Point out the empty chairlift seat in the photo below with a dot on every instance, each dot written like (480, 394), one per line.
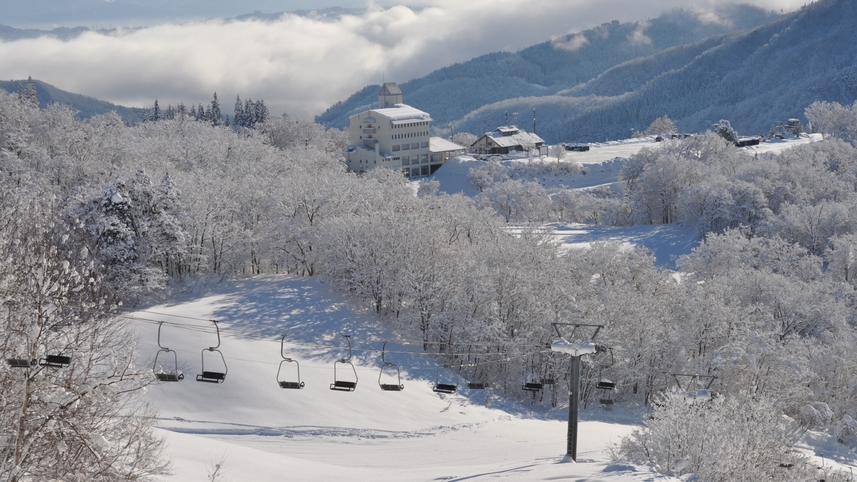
(172, 373)
(285, 377)
(55, 361)
(389, 387)
(210, 375)
(443, 387)
(342, 384)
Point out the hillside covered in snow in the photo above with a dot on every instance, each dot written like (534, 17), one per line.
(753, 77)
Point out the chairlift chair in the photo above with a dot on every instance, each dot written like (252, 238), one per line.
(703, 394)
(442, 387)
(533, 386)
(604, 383)
(14, 361)
(344, 385)
(397, 387)
(295, 382)
(476, 385)
(21, 363)
(211, 376)
(55, 361)
(173, 375)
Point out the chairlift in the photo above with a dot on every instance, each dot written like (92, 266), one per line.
(173, 375)
(397, 387)
(344, 385)
(604, 383)
(294, 382)
(21, 363)
(17, 362)
(55, 361)
(699, 394)
(443, 387)
(211, 376)
(476, 385)
(533, 386)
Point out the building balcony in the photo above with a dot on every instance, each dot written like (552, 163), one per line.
(368, 130)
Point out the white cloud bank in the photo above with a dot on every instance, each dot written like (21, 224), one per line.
(303, 65)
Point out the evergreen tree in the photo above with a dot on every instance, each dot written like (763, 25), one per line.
(156, 112)
(238, 120)
(214, 113)
(261, 112)
(30, 94)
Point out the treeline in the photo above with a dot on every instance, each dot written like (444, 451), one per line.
(246, 114)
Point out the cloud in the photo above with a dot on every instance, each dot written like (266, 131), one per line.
(301, 65)
(638, 36)
(571, 43)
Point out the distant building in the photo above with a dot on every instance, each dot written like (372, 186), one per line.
(507, 139)
(396, 136)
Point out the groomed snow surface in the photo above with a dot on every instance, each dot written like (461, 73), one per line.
(260, 432)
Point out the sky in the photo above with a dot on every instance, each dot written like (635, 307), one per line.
(184, 50)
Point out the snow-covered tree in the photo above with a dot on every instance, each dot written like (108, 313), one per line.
(730, 438)
(661, 125)
(724, 130)
(68, 408)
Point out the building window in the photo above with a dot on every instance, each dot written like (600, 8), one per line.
(424, 144)
(415, 171)
(425, 170)
(415, 145)
(395, 147)
(405, 147)
(424, 158)
(406, 160)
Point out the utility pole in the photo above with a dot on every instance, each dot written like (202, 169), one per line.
(576, 349)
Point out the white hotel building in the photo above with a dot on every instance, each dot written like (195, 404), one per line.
(396, 136)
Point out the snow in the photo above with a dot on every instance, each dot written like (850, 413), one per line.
(256, 431)
(402, 113)
(602, 164)
(260, 432)
(573, 348)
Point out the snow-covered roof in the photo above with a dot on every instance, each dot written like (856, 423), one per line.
(521, 138)
(439, 144)
(401, 113)
(507, 130)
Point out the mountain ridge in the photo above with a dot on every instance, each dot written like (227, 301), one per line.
(548, 68)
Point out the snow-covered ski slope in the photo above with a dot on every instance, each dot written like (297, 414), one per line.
(257, 431)
(260, 432)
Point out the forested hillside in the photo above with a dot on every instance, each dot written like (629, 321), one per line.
(85, 106)
(94, 213)
(548, 68)
(753, 79)
(607, 82)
